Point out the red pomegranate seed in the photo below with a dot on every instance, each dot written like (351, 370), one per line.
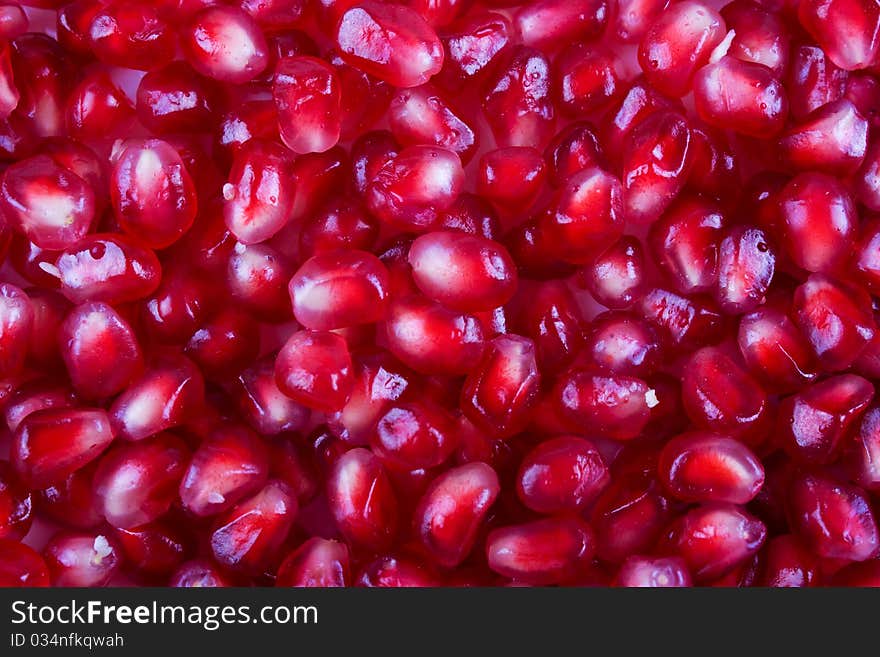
(411, 189)
(15, 505)
(153, 550)
(621, 343)
(832, 139)
(391, 42)
(517, 102)
(812, 424)
(131, 34)
(199, 573)
(546, 23)
(471, 46)
(318, 562)
(834, 319)
(262, 404)
(846, 29)
(137, 483)
(775, 351)
(394, 572)
(678, 43)
(813, 80)
(453, 509)
(361, 500)
(164, 397)
(541, 552)
(98, 109)
(616, 278)
(586, 79)
(339, 289)
(36, 396)
(616, 406)
(834, 520)
(681, 321)
(53, 443)
(648, 572)
(229, 465)
(82, 559)
(16, 324)
(746, 264)
(634, 17)
(226, 44)
(272, 14)
(307, 96)
(13, 21)
(50, 204)
(414, 435)
(561, 475)
(72, 501)
(714, 539)
(863, 451)
(704, 467)
(248, 536)
(573, 149)
(760, 35)
(499, 394)
(176, 99)
(740, 96)
(718, 395)
(788, 564)
(257, 276)
(21, 566)
(656, 163)
(314, 369)
(422, 115)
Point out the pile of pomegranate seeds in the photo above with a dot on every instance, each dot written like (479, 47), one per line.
(440, 293)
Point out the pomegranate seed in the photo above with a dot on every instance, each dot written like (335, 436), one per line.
(132, 35)
(72, 501)
(685, 244)
(704, 467)
(718, 395)
(714, 539)
(365, 98)
(832, 139)
(863, 451)
(263, 406)
(541, 552)
(414, 435)
(412, 188)
(176, 99)
(834, 320)
(452, 510)
(585, 79)
(273, 14)
(572, 150)
(307, 96)
(647, 572)
(136, 483)
(97, 109)
(621, 343)
(678, 43)
(226, 344)
(760, 36)
(391, 42)
(15, 505)
(422, 115)
(339, 289)
(833, 520)
(616, 278)
(81, 559)
(740, 96)
(155, 549)
(314, 369)
(318, 562)
(746, 264)
(13, 21)
(226, 44)
(546, 23)
(500, 393)
(198, 573)
(775, 351)
(813, 422)
(257, 276)
(21, 566)
(788, 564)
(164, 397)
(16, 324)
(656, 164)
(393, 572)
(813, 80)
(361, 499)
(431, 339)
(517, 102)
(471, 46)
(248, 536)
(616, 406)
(51, 444)
(50, 204)
(846, 29)
(35, 396)
(229, 465)
(560, 475)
